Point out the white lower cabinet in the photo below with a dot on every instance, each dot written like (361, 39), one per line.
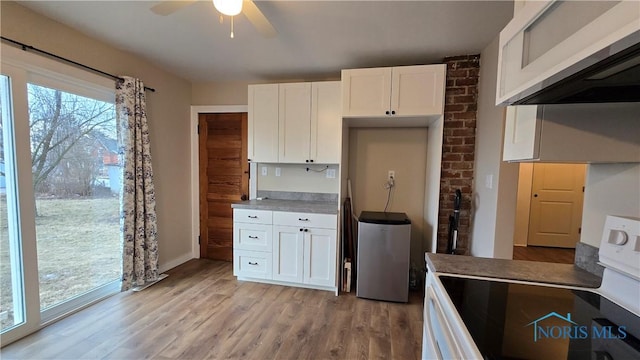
(254, 264)
(320, 257)
(299, 249)
(287, 253)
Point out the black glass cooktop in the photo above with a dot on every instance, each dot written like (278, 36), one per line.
(517, 321)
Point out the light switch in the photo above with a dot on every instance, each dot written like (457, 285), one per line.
(278, 171)
(331, 173)
(488, 181)
(264, 171)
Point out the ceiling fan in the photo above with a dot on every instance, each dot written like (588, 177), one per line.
(247, 7)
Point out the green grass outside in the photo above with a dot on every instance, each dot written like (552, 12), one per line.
(78, 242)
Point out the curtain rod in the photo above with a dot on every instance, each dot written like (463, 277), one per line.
(26, 47)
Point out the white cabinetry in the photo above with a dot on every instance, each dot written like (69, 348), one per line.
(263, 123)
(393, 91)
(295, 122)
(288, 248)
(588, 133)
(252, 243)
(546, 38)
(304, 248)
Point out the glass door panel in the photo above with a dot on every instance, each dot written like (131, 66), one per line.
(76, 182)
(12, 304)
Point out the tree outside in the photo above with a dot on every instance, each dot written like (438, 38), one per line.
(74, 155)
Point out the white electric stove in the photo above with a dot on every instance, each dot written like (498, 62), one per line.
(469, 317)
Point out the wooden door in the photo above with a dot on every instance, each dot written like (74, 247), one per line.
(224, 178)
(556, 205)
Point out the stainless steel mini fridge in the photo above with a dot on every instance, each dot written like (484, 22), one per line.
(383, 256)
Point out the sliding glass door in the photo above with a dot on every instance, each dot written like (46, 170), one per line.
(60, 180)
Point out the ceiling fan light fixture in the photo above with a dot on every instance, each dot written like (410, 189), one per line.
(228, 7)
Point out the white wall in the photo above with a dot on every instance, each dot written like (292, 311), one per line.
(495, 184)
(374, 151)
(167, 110)
(611, 189)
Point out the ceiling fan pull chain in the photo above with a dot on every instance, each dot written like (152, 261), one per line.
(232, 27)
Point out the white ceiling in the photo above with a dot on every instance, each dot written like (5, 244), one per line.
(315, 38)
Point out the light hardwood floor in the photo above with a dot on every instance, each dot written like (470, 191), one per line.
(202, 312)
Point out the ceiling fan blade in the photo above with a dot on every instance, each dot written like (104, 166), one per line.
(168, 7)
(257, 18)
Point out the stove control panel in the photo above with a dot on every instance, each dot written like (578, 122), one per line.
(620, 245)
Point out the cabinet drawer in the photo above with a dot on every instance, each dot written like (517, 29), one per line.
(252, 216)
(326, 221)
(255, 237)
(255, 264)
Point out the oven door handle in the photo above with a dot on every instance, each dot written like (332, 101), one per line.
(438, 325)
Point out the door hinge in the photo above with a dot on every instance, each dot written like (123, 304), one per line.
(198, 129)
(583, 189)
(198, 239)
(579, 230)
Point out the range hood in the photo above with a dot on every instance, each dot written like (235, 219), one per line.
(609, 75)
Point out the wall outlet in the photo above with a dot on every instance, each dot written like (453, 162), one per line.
(331, 173)
(264, 171)
(488, 181)
(278, 171)
(392, 175)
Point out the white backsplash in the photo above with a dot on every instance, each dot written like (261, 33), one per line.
(296, 178)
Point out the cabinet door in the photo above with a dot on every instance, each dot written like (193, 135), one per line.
(418, 90)
(294, 122)
(320, 257)
(326, 122)
(287, 253)
(263, 123)
(366, 92)
(521, 133)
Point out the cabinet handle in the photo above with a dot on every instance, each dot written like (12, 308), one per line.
(253, 263)
(301, 229)
(387, 112)
(252, 237)
(306, 161)
(311, 160)
(301, 219)
(393, 112)
(252, 217)
(306, 230)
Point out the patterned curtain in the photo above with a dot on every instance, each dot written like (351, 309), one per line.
(137, 199)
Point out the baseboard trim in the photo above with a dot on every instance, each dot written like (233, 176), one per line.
(175, 262)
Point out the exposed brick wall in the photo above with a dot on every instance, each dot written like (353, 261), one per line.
(461, 102)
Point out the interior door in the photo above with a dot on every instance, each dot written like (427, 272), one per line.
(556, 205)
(224, 179)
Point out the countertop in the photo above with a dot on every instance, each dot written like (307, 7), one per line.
(543, 272)
(319, 207)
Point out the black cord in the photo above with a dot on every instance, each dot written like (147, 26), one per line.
(310, 169)
(388, 198)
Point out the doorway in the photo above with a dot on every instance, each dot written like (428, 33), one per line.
(223, 177)
(549, 211)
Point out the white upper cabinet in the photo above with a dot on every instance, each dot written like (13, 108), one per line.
(326, 122)
(263, 123)
(294, 122)
(393, 91)
(582, 133)
(548, 38)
